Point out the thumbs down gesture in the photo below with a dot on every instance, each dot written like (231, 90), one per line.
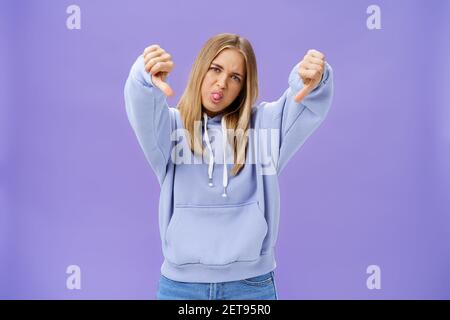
(159, 64)
(310, 70)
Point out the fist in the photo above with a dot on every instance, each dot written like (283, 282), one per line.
(310, 71)
(159, 64)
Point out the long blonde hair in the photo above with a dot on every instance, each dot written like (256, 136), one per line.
(238, 113)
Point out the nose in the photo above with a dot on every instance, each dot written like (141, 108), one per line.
(221, 81)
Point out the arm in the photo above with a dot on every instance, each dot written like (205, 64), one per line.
(148, 113)
(297, 121)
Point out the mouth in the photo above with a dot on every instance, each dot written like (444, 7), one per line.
(216, 96)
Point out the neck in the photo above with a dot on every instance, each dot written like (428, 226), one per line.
(211, 114)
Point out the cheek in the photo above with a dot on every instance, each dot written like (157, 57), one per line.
(236, 90)
(206, 85)
(204, 88)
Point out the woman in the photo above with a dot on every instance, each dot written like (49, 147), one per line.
(217, 158)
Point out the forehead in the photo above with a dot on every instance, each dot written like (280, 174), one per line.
(232, 60)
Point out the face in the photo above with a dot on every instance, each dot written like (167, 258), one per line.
(223, 81)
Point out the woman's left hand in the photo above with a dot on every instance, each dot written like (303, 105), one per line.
(310, 70)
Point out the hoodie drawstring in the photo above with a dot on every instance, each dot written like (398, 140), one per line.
(224, 145)
(211, 155)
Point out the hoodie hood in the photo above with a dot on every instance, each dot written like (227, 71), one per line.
(213, 120)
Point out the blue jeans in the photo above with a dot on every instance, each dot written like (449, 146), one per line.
(256, 288)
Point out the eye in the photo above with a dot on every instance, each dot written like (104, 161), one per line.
(236, 78)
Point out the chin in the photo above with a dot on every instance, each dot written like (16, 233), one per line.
(213, 108)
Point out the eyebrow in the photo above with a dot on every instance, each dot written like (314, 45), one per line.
(218, 65)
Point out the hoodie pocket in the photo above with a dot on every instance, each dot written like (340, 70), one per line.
(215, 235)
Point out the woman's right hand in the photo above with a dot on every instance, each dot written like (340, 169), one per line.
(159, 64)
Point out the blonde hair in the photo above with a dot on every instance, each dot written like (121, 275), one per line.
(238, 113)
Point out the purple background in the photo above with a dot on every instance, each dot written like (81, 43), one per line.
(370, 186)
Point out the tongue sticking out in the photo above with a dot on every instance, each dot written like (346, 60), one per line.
(216, 96)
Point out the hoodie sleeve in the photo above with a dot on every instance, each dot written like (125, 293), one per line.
(297, 121)
(149, 116)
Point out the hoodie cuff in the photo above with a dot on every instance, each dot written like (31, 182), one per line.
(139, 72)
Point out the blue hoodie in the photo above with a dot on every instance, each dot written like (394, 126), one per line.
(216, 227)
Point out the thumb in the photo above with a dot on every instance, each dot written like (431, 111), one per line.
(164, 87)
(303, 92)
